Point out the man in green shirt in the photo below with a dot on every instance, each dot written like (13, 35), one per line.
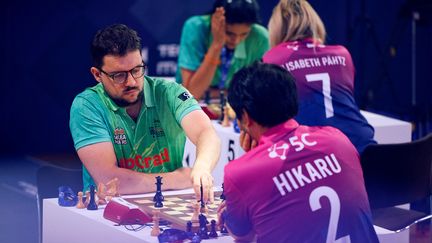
(132, 127)
(214, 47)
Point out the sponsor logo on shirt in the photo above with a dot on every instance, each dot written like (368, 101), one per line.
(156, 130)
(119, 136)
(184, 96)
(146, 162)
(276, 151)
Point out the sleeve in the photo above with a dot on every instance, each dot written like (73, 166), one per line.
(192, 44)
(236, 214)
(86, 124)
(181, 101)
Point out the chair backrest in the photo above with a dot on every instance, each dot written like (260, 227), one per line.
(398, 173)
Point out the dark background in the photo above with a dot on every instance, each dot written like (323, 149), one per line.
(44, 47)
(46, 61)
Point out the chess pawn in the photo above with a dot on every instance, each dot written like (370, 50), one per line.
(155, 231)
(213, 233)
(80, 203)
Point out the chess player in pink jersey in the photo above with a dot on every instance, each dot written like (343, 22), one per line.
(300, 183)
(324, 74)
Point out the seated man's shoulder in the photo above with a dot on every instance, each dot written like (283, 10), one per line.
(198, 21)
(329, 134)
(89, 94)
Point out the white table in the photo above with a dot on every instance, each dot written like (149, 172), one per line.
(72, 225)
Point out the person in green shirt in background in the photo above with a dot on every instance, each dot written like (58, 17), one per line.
(214, 47)
(133, 127)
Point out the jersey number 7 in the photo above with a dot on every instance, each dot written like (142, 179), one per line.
(326, 90)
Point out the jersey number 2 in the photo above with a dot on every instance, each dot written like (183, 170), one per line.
(326, 90)
(314, 202)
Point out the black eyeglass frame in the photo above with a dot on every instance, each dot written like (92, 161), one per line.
(112, 75)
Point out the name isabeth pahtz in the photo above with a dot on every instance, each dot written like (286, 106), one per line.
(314, 62)
(307, 173)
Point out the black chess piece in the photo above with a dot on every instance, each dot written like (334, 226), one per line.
(158, 197)
(222, 196)
(202, 208)
(203, 231)
(189, 226)
(213, 233)
(92, 204)
(223, 229)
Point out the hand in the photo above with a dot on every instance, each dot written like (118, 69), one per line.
(202, 178)
(218, 26)
(246, 141)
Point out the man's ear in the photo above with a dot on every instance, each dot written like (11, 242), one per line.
(247, 120)
(96, 74)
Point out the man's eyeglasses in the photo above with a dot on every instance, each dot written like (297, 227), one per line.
(121, 77)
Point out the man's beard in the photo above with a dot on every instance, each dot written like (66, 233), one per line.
(124, 103)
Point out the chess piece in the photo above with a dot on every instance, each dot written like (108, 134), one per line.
(158, 197)
(225, 121)
(223, 229)
(112, 188)
(101, 194)
(92, 203)
(195, 218)
(156, 230)
(189, 226)
(80, 203)
(222, 196)
(203, 208)
(213, 233)
(203, 231)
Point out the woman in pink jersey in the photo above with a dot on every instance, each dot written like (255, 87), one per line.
(324, 74)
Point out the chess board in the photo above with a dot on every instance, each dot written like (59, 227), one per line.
(177, 209)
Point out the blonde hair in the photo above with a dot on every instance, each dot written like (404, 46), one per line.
(295, 20)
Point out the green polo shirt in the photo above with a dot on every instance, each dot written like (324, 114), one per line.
(196, 39)
(153, 144)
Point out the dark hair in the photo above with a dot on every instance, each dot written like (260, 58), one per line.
(267, 92)
(239, 11)
(117, 39)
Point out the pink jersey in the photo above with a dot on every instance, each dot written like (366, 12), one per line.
(296, 181)
(325, 84)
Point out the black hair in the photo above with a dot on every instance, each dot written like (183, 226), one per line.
(239, 11)
(116, 39)
(267, 92)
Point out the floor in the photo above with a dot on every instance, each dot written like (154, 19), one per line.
(18, 201)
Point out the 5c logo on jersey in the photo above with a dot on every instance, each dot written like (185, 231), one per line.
(298, 143)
